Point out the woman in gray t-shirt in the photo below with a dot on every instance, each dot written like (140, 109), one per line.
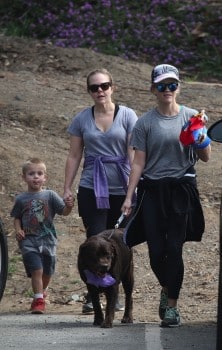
(168, 209)
(101, 135)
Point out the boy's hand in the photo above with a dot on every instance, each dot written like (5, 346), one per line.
(20, 235)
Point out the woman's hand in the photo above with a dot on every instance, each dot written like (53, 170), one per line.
(69, 201)
(127, 207)
(67, 195)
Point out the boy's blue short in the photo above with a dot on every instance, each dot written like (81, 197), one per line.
(36, 261)
(39, 253)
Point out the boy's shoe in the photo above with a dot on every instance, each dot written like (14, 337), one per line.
(38, 306)
(46, 297)
(171, 318)
(163, 303)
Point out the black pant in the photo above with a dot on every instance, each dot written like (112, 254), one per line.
(97, 220)
(165, 238)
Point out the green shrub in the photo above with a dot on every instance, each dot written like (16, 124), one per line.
(187, 34)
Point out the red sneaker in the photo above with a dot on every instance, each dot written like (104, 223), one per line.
(38, 306)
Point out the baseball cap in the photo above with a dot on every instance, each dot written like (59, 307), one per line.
(164, 71)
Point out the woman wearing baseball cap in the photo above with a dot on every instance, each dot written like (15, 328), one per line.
(168, 140)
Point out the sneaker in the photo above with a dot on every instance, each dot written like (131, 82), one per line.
(119, 307)
(38, 306)
(171, 318)
(87, 308)
(163, 303)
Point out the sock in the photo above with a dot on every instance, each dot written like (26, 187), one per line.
(38, 295)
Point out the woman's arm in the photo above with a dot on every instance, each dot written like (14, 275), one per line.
(135, 174)
(72, 164)
(130, 151)
(204, 153)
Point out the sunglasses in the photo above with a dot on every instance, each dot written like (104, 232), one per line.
(103, 86)
(161, 87)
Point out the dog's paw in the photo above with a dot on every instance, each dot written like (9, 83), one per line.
(127, 320)
(98, 322)
(106, 324)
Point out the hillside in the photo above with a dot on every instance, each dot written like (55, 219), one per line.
(41, 88)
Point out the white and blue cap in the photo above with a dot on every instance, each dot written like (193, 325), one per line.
(164, 71)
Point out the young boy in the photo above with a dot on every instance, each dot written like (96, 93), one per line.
(33, 214)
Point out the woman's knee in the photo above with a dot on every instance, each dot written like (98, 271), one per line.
(174, 251)
(156, 258)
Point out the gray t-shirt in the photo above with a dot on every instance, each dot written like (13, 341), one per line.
(37, 210)
(158, 136)
(113, 142)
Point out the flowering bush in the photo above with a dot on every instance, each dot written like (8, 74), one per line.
(153, 31)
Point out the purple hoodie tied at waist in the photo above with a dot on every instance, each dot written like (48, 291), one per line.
(100, 178)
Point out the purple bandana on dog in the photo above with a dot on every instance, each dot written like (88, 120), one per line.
(97, 281)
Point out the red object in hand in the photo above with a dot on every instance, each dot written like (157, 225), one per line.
(196, 122)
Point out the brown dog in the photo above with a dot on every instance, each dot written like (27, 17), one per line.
(103, 262)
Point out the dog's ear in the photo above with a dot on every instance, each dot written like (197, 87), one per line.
(112, 245)
(81, 249)
(114, 252)
(82, 256)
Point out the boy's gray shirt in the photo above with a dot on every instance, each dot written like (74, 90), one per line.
(36, 210)
(158, 137)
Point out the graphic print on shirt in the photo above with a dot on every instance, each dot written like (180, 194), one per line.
(37, 212)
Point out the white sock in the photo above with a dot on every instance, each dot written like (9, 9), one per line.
(38, 295)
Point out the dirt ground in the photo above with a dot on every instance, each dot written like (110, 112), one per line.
(41, 88)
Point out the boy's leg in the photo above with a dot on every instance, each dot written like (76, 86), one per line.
(49, 262)
(41, 278)
(45, 283)
(37, 283)
(38, 303)
(34, 269)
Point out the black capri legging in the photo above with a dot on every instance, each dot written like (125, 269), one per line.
(97, 220)
(165, 239)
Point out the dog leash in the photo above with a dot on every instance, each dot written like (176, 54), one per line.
(118, 223)
(120, 220)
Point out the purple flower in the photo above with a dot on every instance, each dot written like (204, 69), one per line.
(152, 30)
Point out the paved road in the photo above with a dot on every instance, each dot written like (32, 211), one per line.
(64, 332)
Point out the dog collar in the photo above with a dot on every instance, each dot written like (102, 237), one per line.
(97, 281)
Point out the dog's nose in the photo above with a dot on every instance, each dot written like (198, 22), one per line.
(103, 268)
